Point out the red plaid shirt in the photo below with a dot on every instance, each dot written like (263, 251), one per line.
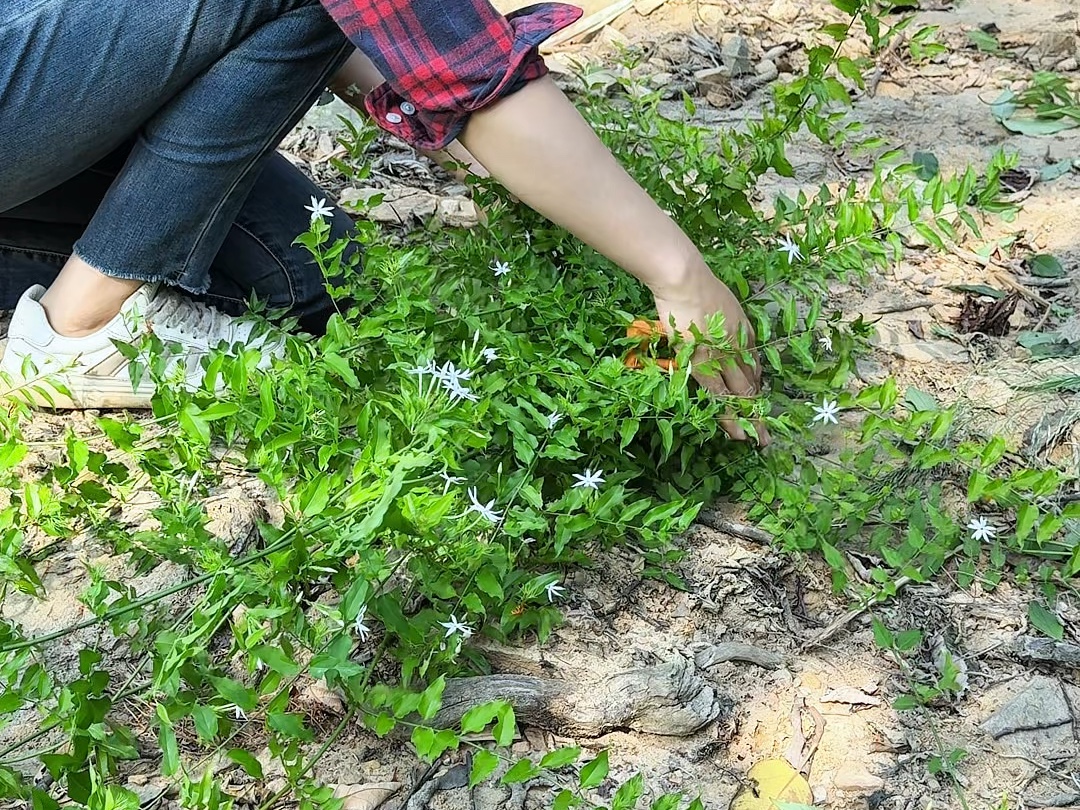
(445, 59)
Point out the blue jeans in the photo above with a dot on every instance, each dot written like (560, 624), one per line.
(140, 137)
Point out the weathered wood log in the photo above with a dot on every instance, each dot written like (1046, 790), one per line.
(669, 699)
(737, 651)
(1046, 651)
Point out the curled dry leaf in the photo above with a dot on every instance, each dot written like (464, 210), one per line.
(365, 797)
(317, 696)
(772, 781)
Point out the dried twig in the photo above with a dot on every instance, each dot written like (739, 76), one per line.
(722, 524)
(851, 614)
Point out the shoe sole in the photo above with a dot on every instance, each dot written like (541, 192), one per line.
(85, 393)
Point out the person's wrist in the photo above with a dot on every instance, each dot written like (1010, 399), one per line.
(681, 279)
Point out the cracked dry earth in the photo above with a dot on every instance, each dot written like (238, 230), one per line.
(692, 688)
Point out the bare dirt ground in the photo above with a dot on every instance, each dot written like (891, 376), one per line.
(1018, 721)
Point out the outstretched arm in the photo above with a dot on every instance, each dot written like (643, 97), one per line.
(536, 143)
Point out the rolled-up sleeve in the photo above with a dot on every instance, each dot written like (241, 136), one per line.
(445, 59)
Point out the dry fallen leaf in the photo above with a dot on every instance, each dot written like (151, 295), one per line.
(317, 695)
(365, 797)
(773, 781)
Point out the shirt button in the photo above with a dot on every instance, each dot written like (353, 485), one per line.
(408, 108)
(393, 118)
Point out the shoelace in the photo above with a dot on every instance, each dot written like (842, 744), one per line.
(173, 311)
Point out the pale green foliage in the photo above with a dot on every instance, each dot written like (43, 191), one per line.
(376, 539)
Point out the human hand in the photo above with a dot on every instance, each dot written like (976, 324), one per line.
(694, 303)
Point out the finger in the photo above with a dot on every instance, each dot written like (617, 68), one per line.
(733, 430)
(763, 437)
(715, 386)
(750, 366)
(737, 380)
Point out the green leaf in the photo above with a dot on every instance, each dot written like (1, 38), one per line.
(431, 699)
(628, 794)
(316, 496)
(926, 165)
(506, 727)
(595, 772)
(384, 724)
(560, 758)
(488, 581)
(483, 766)
(340, 366)
(170, 751)
(10, 702)
(1026, 516)
(192, 423)
(918, 401)
(883, 636)
(565, 801)
(1044, 344)
(1045, 622)
(247, 761)
(423, 740)
(477, 718)
(1052, 171)
(978, 289)
(523, 771)
(277, 660)
(1045, 266)
(908, 640)
(906, 703)
(235, 693)
(206, 722)
(1039, 126)
(984, 41)
(220, 410)
(289, 724)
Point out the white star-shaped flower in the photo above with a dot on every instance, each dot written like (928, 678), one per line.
(450, 375)
(554, 590)
(484, 510)
(500, 268)
(424, 371)
(553, 419)
(826, 342)
(319, 209)
(590, 479)
(362, 630)
(454, 626)
(430, 370)
(459, 392)
(982, 530)
(489, 355)
(238, 713)
(788, 246)
(826, 412)
(451, 480)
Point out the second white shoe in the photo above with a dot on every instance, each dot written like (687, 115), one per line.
(93, 373)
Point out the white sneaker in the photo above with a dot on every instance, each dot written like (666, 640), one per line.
(92, 373)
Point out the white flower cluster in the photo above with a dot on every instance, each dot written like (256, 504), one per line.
(450, 377)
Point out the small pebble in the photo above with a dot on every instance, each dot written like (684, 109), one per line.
(767, 71)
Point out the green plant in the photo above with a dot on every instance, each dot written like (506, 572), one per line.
(1049, 105)
(467, 431)
(924, 46)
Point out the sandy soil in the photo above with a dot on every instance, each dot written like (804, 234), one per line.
(1018, 722)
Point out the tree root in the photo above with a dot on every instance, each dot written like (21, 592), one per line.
(669, 699)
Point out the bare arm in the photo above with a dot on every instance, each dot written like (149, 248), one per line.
(537, 145)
